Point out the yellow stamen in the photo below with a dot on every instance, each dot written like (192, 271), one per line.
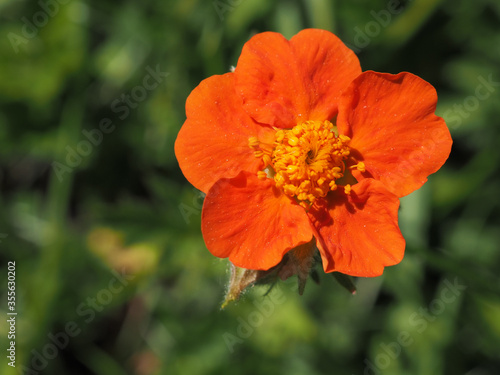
(306, 160)
(261, 175)
(360, 166)
(293, 141)
(253, 142)
(267, 160)
(259, 154)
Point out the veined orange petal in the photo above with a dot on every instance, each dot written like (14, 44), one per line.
(284, 83)
(251, 222)
(391, 122)
(213, 142)
(358, 234)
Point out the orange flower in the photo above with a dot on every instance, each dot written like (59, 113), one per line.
(297, 149)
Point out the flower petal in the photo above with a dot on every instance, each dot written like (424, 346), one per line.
(391, 122)
(251, 222)
(358, 234)
(286, 82)
(213, 142)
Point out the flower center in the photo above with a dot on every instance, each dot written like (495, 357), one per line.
(305, 161)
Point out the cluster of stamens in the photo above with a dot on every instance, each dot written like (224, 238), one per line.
(305, 161)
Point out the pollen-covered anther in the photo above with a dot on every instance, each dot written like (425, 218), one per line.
(262, 175)
(253, 142)
(261, 151)
(308, 159)
(360, 166)
(258, 154)
(267, 160)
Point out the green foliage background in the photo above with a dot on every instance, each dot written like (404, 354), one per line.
(125, 205)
